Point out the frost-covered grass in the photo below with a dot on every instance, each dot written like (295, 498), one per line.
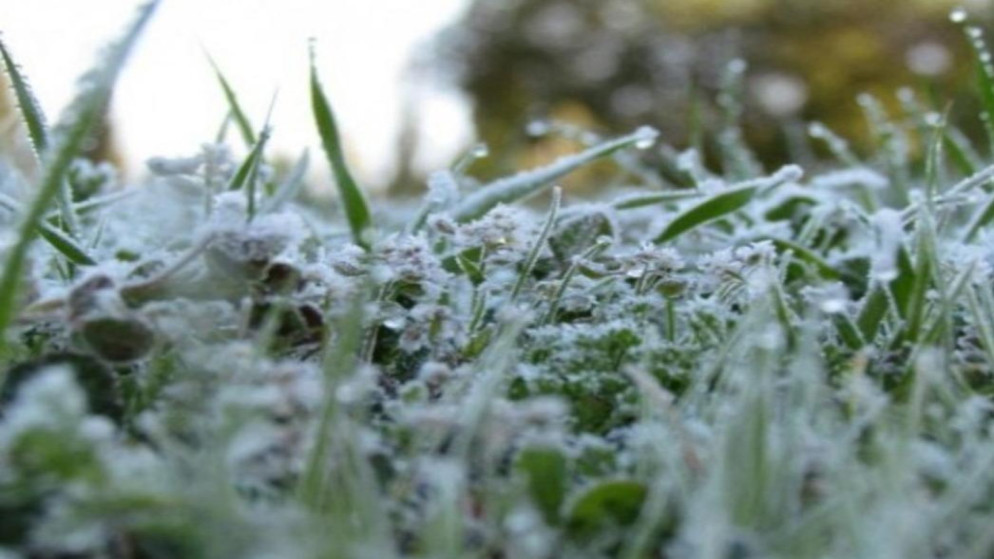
(754, 364)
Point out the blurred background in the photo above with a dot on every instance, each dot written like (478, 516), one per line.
(417, 83)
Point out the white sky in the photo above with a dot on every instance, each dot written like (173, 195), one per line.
(168, 101)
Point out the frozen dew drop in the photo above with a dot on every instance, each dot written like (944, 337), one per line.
(958, 15)
(833, 306)
(817, 130)
(481, 150)
(645, 137)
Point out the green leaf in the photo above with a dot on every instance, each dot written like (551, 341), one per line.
(356, 210)
(31, 113)
(244, 127)
(520, 186)
(72, 130)
(724, 203)
(606, 504)
(546, 470)
(536, 249)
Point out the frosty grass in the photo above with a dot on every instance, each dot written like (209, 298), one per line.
(730, 364)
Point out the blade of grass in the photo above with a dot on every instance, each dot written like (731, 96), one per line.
(984, 73)
(66, 245)
(526, 270)
(643, 200)
(522, 185)
(290, 187)
(252, 178)
(235, 109)
(806, 255)
(979, 220)
(34, 121)
(724, 203)
(73, 128)
(31, 113)
(356, 209)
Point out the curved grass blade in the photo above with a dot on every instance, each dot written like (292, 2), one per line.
(525, 184)
(236, 112)
(74, 127)
(34, 121)
(643, 200)
(984, 71)
(824, 269)
(980, 218)
(724, 203)
(526, 270)
(248, 172)
(31, 113)
(879, 300)
(56, 237)
(356, 209)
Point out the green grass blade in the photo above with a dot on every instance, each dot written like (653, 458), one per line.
(803, 254)
(926, 262)
(31, 113)
(522, 185)
(643, 200)
(240, 178)
(543, 236)
(66, 245)
(356, 209)
(34, 121)
(236, 112)
(724, 203)
(877, 302)
(985, 74)
(980, 219)
(71, 132)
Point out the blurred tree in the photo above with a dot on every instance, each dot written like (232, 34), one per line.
(616, 64)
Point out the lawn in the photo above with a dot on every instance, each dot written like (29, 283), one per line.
(704, 359)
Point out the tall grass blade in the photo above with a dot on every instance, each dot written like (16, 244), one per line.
(526, 270)
(34, 121)
(235, 109)
(73, 128)
(724, 203)
(643, 200)
(66, 245)
(356, 209)
(31, 113)
(522, 185)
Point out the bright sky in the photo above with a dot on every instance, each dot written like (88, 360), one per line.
(168, 101)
